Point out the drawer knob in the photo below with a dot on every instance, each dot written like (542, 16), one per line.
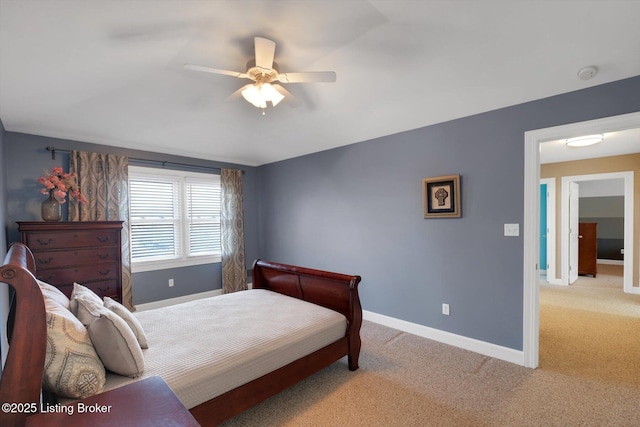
(104, 273)
(43, 243)
(103, 290)
(102, 239)
(103, 256)
(45, 261)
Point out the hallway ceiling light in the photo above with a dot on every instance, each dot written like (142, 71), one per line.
(584, 141)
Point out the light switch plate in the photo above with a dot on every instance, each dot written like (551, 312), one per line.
(512, 229)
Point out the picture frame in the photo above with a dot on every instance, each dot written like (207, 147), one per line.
(441, 197)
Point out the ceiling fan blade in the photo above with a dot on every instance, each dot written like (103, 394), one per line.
(289, 98)
(265, 51)
(308, 77)
(237, 94)
(216, 71)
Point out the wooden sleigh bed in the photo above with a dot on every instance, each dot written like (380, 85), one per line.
(21, 380)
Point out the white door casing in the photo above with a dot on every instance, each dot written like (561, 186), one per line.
(531, 224)
(574, 215)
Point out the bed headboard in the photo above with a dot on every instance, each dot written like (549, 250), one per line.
(336, 291)
(22, 374)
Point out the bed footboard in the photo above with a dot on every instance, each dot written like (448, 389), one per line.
(338, 292)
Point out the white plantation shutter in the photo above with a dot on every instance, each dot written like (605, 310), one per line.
(203, 214)
(154, 219)
(175, 218)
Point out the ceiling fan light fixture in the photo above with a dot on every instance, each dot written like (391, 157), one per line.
(251, 93)
(259, 94)
(270, 93)
(584, 141)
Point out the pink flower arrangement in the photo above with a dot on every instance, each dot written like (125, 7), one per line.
(61, 184)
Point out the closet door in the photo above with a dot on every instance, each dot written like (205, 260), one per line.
(587, 248)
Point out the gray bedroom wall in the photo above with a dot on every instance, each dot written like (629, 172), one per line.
(358, 210)
(27, 158)
(3, 191)
(4, 289)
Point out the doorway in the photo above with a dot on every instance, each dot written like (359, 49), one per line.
(566, 241)
(533, 139)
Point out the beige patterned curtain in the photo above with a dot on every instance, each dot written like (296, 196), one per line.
(234, 272)
(103, 179)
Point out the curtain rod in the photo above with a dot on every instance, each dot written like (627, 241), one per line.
(162, 162)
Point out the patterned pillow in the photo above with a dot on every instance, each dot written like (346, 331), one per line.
(51, 292)
(112, 338)
(128, 317)
(72, 366)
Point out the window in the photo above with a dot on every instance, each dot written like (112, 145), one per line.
(175, 218)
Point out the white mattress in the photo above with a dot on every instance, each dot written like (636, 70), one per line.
(207, 347)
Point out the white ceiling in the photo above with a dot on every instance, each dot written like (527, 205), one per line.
(110, 71)
(613, 144)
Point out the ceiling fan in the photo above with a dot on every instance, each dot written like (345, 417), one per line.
(264, 72)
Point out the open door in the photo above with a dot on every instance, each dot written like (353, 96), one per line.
(574, 200)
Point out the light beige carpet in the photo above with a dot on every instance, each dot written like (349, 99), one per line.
(405, 380)
(591, 329)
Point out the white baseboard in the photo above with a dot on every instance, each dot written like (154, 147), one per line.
(610, 261)
(471, 344)
(177, 300)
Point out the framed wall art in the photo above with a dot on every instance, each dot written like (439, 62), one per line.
(441, 197)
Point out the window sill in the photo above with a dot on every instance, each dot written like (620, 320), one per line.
(173, 263)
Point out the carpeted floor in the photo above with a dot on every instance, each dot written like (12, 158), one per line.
(405, 380)
(591, 329)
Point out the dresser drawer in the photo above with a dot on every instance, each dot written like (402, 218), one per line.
(44, 240)
(73, 257)
(80, 274)
(104, 288)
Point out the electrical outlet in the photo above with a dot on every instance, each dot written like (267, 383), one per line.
(445, 309)
(622, 251)
(171, 283)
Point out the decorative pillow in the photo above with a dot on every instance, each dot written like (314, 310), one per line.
(51, 292)
(80, 291)
(112, 338)
(72, 367)
(128, 317)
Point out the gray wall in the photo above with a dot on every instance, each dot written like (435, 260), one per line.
(27, 158)
(358, 210)
(4, 289)
(608, 213)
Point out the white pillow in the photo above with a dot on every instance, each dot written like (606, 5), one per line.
(72, 367)
(128, 317)
(80, 291)
(112, 338)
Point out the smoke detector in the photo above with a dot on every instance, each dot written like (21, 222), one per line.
(588, 72)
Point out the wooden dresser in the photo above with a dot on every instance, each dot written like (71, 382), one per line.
(588, 248)
(85, 252)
